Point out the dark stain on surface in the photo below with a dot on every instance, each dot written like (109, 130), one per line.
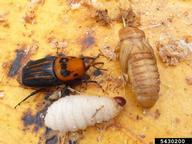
(28, 119)
(15, 66)
(37, 120)
(87, 41)
(97, 72)
(23, 54)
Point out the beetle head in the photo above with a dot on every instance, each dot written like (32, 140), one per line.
(88, 61)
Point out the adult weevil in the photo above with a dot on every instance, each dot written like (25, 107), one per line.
(54, 71)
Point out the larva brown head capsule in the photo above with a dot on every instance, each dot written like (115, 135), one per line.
(131, 32)
(120, 100)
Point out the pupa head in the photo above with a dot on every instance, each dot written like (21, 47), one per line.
(131, 33)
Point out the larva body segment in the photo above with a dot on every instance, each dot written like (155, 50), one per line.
(77, 112)
(137, 59)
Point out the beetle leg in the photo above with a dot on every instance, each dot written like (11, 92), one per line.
(73, 90)
(58, 53)
(55, 95)
(95, 82)
(94, 58)
(99, 63)
(67, 89)
(61, 91)
(86, 79)
(98, 55)
(50, 134)
(32, 94)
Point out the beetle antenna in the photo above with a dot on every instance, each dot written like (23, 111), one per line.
(97, 56)
(57, 52)
(33, 93)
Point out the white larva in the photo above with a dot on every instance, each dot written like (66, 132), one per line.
(77, 112)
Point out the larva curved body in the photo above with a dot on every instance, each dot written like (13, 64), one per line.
(137, 59)
(77, 112)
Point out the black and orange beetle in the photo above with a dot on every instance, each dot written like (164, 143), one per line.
(54, 70)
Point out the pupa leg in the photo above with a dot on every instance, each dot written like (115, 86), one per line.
(117, 48)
